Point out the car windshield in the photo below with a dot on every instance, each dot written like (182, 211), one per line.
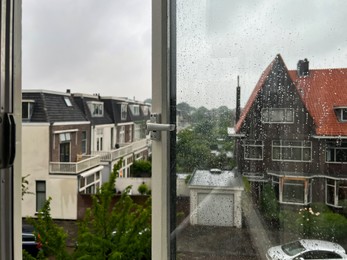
(293, 248)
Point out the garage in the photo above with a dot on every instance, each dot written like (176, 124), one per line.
(215, 198)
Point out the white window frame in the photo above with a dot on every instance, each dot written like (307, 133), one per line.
(135, 109)
(124, 111)
(84, 142)
(30, 108)
(307, 186)
(68, 101)
(145, 110)
(122, 134)
(137, 132)
(336, 185)
(286, 112)
(253, 144)
(329, 148)
(96, 108)
(83, 186)
(285, 144)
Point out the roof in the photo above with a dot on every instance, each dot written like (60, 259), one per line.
(225, 179)
(51, 107)
(321, 91)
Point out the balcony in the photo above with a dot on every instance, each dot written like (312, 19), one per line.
(116, 154)
(87, 162)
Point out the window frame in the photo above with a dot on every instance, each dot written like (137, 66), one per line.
(335, 147)
(250, 144)
(40, 193)
(29, 109)
(96, 108)
(285, 114)
(282, 146)
(307, 186)
(336, 187)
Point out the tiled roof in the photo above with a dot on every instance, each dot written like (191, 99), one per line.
(321, 91)
(50, 107)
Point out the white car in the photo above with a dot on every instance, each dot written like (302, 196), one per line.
(307, 249)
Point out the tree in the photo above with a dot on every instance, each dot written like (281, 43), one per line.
(118, 230)
(52, 237)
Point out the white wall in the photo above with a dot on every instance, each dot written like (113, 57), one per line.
(106, 146)
(35, 161)
(122, 183)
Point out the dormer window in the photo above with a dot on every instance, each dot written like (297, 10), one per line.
(27, 109)
(145, 110)
(124, 111)
(96, 108)
(135, 110)
(341, 114)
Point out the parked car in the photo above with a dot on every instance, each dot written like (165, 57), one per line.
(30, 242)
(306, 249)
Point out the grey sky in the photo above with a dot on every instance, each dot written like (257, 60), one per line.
(88, 46)
(104, 46)
(220, 39)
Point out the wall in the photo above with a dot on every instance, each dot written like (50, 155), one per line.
(35, 161)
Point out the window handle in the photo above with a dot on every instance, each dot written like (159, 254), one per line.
(7, 140)
(154, 127)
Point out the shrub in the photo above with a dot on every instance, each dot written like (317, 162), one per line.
(269, 204)
(141, 168)
(143, 189)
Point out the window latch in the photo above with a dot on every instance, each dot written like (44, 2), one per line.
(154, 127)
(7, 140)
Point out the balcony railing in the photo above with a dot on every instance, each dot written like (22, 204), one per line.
(87, 162)
(116, 154)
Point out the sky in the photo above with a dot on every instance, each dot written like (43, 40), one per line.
(104, 46)
(88, 46)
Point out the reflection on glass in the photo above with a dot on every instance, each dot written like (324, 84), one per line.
(286, 148)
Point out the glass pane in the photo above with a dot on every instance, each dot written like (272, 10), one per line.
(271, 61)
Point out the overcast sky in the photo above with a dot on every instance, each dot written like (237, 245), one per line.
(104, 46)
(89, 46)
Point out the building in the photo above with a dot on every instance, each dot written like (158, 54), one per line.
(57, 156)
(215, 198)
(292, 133)
(71, 143)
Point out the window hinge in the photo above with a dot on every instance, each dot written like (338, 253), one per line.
(154, 127)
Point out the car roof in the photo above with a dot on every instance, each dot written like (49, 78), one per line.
(313, 244)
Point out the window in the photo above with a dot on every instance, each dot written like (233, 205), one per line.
(89, 184)
(336, 192)
(253, 150)
(336, 151)
(122, 135)
(96, 108)
(67, 101)
(341, 113)
(124, 111)
(84, 142)
(145, 110)
(64, 151)
(135, 109)
(295, 191)
(277, 115)
(299, 151)
(64, 137)
(40, 194)
(27, 109)
(99, 143)
(137, 132)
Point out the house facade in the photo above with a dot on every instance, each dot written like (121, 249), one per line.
(292, 133)
(63, 165)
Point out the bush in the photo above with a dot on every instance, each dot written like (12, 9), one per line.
(269, 204)
(141, 168)
(143, 189)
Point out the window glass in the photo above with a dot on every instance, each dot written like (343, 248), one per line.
(258, 61)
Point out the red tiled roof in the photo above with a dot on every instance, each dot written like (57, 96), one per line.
(321, 91)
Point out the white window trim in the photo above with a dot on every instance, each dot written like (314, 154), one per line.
(307, 192)
(336, 196)
(289, 146)
(92, 107)
(254, 145)
(334, 148)
(275, 122)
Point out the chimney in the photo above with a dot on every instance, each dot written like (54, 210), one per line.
(68, 91)
(238, 97)
(302, 68)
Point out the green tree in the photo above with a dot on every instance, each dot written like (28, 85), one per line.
(118, 230)
(52, 237)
